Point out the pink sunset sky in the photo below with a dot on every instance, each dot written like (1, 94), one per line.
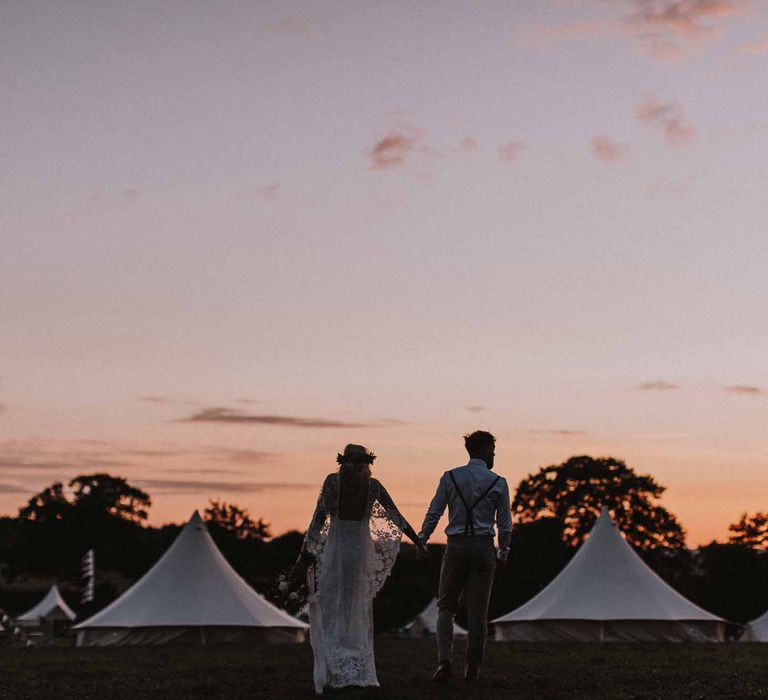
(235, 236)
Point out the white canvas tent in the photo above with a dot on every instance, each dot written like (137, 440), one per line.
(51, 608)
(757, 630)
(607, 593)
(191, 595)
(425, 623)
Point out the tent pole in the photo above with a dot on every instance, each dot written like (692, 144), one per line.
(202, 636)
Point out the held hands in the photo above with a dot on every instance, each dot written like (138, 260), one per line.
(422, 553)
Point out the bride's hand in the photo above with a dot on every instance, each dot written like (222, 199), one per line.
(306, 558)
(422, 553)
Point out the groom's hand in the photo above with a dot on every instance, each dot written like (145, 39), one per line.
(422, 553)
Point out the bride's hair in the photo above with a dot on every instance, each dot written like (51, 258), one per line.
(356, 461)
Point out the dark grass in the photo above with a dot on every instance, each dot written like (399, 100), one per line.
(544, 672)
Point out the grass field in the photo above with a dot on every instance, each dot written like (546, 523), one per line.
(544, 672)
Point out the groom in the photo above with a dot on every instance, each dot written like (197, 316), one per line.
(476, 497)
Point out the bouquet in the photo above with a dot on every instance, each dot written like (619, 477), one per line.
(290, 590)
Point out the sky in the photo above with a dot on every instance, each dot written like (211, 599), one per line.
(236, 236)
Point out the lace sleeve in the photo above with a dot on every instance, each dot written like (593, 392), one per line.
(318, 526)
(386, 527)
(383, 497)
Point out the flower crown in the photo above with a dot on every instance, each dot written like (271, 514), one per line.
(359, 458)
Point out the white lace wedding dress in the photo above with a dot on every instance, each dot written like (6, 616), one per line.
(353, 560)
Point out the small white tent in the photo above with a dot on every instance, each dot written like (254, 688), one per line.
(757, 630)
(191, 595)
(425, 623)
(51, 607)
(607, 593)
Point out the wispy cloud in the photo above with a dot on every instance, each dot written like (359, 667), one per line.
(684, 18)
(746, 390)
(670, 29)
(607, 149)
(658, 385)
(561, 432)
(475, 409)
(186, 486)
(231, 415)
(64, 463)
(12, 488)
(230, 454)
(216, 454)
(510, 151)
(153, 454)
(40, 459)
(756, 48)
(36, 457)
(203, 470)
(666, 30)
(156, 399)
(396, 147)
(2, 408)
(667, 116)
(37, 466)
(469, 145)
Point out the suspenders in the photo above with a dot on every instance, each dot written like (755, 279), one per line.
(469, 526)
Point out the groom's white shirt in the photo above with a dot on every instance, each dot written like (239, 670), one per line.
(472, 479)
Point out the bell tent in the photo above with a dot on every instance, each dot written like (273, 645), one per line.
(190, 596)
(607, 593)
(425, 623)
(51, 608)
(757, 630)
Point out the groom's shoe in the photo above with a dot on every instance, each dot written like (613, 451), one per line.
(471, 671)
(444, 673)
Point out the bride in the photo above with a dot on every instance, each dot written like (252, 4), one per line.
(349, 549)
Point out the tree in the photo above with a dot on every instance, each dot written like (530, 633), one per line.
(48, 506)
(574, 493)
(58, 525)
(730, 581)
(750, 531)
(112, 495)
(235, 521)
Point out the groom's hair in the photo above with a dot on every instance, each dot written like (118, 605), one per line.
(475, 442)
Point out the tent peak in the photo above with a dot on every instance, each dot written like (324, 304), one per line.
(603, 522)
(51, 602)
(195, 522)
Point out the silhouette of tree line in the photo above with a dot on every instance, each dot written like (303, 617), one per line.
(554, 509)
